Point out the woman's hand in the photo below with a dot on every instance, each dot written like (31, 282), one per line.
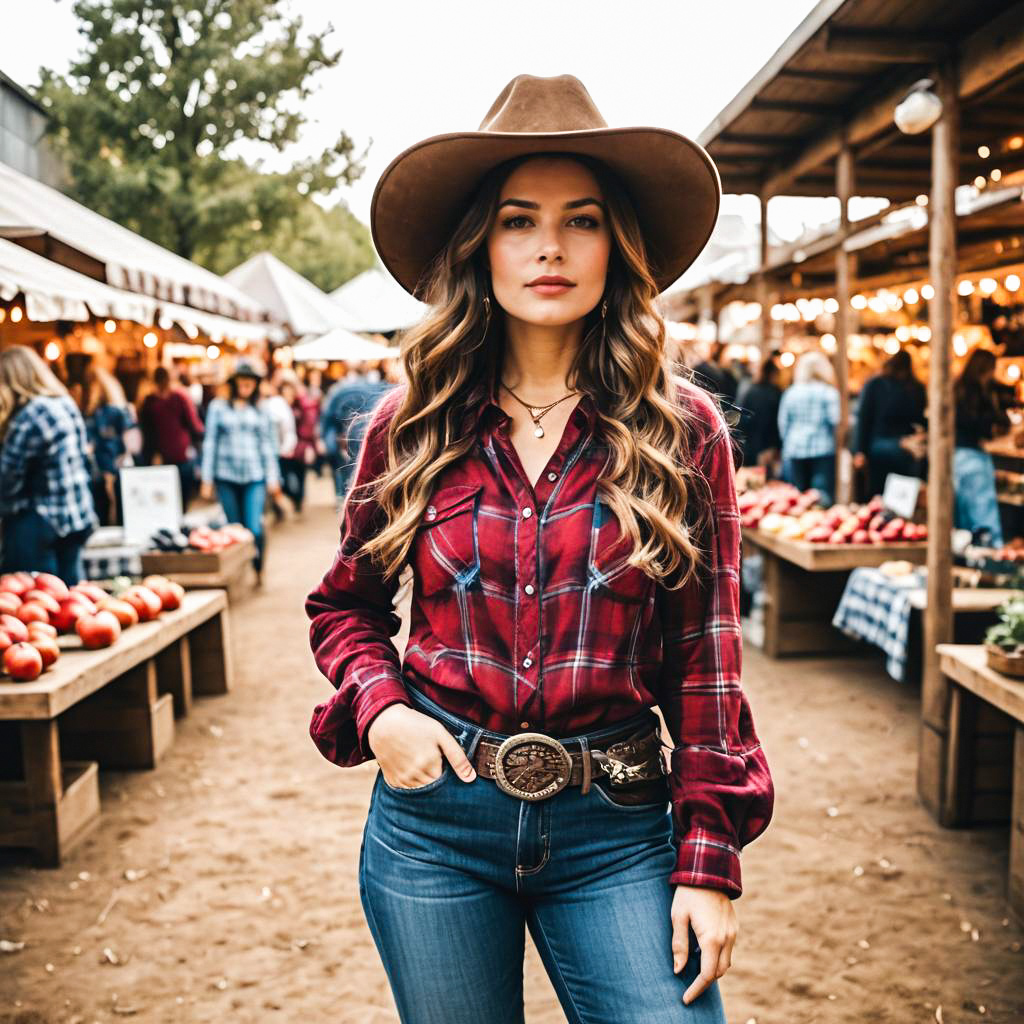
(274, 490)
(711, 915)
(410, 748)
(206, 490)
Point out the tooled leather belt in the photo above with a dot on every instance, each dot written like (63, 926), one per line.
(533, 766)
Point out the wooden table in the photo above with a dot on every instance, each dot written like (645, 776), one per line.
(200, 570)
(114, 708)
(980, 766)
(802, 585)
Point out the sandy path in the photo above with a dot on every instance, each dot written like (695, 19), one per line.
(244, 842)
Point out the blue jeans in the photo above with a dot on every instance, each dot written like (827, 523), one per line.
(31, 543)
(451, 874)
(976, 506)
(818, 472)
(243, 503)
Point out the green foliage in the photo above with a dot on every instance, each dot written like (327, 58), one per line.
(1008, 632)
(146, 117)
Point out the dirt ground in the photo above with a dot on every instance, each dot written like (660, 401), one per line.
(222, 886)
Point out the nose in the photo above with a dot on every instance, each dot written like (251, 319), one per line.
(550, 248)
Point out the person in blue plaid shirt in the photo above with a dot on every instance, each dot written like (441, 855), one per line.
(240, 455)
(45, 499)
(808, 417)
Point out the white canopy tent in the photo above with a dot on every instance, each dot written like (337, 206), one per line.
(375, 303)
(28, 208)
(340, 344)
(291, 299)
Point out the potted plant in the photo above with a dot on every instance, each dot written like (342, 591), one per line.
(1004, 642)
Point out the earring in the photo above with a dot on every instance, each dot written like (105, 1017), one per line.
(604, 309)
(487, 308)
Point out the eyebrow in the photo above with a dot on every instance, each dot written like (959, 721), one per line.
(575, 204)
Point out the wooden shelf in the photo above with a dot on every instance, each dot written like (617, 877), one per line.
(833, 557)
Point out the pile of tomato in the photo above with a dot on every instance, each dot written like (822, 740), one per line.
(203, 538)
(36, 607)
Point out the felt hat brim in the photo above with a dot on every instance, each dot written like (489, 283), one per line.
(672, 182)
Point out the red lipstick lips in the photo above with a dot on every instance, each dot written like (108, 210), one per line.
(551, 284)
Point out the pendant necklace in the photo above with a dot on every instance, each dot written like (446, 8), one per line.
(537, 412)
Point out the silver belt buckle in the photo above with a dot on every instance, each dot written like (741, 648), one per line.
(532, 766)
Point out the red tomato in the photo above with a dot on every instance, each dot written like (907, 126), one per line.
(93, 591)
(41, 629)
(23, 662)
(51, 584)
(32, 612)
(177, 594)
(145, 602)
(99, 630)
(13, 583)
(14, 628)
(149, 581)
(72, 608)
(123, 611)
(48, 601)
(5, 641)
(9, 603)
(47, 648)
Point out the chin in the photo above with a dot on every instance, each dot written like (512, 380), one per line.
(551, 314)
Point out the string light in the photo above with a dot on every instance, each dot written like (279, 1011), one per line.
(212, 352)
(921, 200)
(927, 292)
(16, 314)
(828, 342)
(996, 174)
(831, 305)
(787, 359)
(959, 345)
(1015, 143)
(910, 297)
(979, 181)
(891, 346)
(984, 152)
(1012, 282)
(52, 351)
(109, 326)
(924, 334)
(859, 302)
(987, 285)
(149, 339)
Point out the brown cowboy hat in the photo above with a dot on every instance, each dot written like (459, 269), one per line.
(673, 183)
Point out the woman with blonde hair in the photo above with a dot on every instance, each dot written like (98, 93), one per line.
(45, 501)
(808, 417)
(567, 505)
(114, 437)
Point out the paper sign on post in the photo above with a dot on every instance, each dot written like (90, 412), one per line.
(151, 500)
(900, 494)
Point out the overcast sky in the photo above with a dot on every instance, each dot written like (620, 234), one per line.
(412, 69)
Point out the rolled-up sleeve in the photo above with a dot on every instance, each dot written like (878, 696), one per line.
(721, 787)
(353, 618)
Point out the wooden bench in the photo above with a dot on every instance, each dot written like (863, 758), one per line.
(979, 768)
(802, 585)
(200, 570)
(113, 708)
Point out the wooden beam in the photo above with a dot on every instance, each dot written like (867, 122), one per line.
(759, 140)
(888, 47)
(938, 618)
(845, 271)
(798, 107)
(990, 53)
(799, 74)
(763, 296)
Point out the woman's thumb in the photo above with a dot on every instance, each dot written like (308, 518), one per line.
(456, 756)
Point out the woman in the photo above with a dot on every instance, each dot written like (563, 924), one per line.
(541, 439)
(759, 416)
(282, 420)
(114, 439)
(979, 416)
(171, 430)
(240, 456)
(45, 500)
(808, 416)
(890, 422)
(305, 410)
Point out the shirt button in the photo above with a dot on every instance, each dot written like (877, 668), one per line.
(527, 512)
(552, 476)
(528, 588)
(431, 512)
(527, 662)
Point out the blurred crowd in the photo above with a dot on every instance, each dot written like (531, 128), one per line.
(787, 421)
(248, 442)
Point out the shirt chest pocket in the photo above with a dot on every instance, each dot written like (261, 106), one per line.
(608, 571)
(446, 549)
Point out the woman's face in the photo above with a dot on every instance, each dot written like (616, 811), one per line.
(244, 387)
(550, 223)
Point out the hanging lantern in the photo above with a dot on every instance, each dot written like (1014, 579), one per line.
(919, 109)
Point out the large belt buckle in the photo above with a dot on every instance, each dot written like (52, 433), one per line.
(532, 766)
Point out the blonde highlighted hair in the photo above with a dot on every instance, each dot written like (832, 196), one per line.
(24, 375)
(452, 356)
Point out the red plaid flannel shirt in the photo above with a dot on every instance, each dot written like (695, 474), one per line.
(525, 616)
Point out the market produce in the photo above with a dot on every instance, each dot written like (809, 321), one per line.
(5, 641)
(72, 608)
(47, 648)
(32, 611)
(41, 629)
(14, 628)
(123, 611)
(144, 601)
(202, 538)
(17, 582)
(47, 600)
(171, 594)
(9, 603)
(93, 591)
(23, 662)
(99, 630)
(51, 584)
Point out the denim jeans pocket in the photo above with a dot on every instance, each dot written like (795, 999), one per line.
(606, 795)
(427, 787)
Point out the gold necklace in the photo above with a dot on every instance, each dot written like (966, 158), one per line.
(537, 412)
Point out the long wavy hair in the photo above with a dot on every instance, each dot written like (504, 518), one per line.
(455, 353)
(23, 376)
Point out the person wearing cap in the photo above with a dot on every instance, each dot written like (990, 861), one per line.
(567, 505)
(239, 461)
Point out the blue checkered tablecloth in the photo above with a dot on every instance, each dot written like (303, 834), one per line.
(876, 608)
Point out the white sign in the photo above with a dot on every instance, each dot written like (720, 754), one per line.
(900, 494)
(151, 501)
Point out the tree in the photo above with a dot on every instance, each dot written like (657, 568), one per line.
(146, 117)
